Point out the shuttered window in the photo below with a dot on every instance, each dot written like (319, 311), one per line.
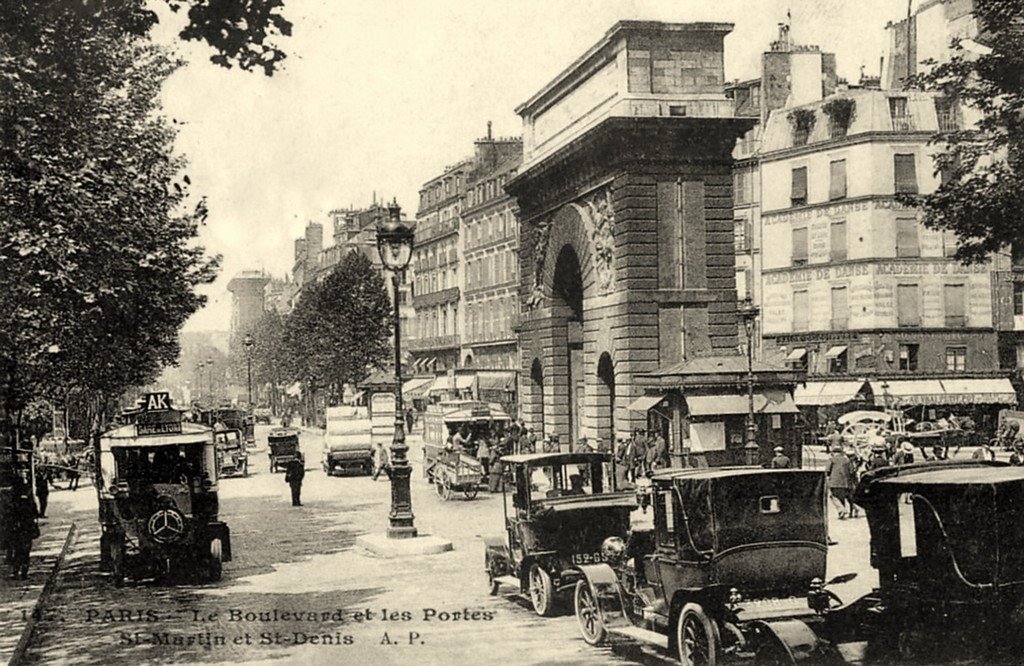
(955, 297)
(837, 180)
(799, 246)
(798, 193)
(800, 315)
(837, 241)
(840, 310)
(905, 168)
(908, 310)
(907, 244)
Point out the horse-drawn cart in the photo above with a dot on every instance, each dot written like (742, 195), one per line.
(454, 472)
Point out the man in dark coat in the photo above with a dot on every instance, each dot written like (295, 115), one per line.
(293, 475)
(42, 490)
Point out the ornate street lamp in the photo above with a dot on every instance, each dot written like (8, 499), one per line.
(248, 342)
(748, 311)
(394, 244)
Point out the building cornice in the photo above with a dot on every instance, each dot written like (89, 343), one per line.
(875, 136)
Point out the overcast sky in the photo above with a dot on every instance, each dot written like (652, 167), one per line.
(379, 95)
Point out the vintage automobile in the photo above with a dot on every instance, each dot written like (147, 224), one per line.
(564, 505)
(262, 414)
(232, 418)
(736, 555)
(348, 441)
(232, 458)
(947, 544)
(158, 503)
(284, 447)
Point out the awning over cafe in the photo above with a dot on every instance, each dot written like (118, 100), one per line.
(827, 393)
(441, 383)
(768, 402)
(904, 392)
(463, 382)
(497, 381)
(644, 403)
(416, 387)
(797, 354)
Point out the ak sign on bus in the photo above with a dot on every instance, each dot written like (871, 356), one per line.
(157, 416)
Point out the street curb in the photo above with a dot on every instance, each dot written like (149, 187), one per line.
(44, 595)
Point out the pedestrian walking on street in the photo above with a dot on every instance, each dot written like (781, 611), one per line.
(22, 529)
(483, 454)
(73, 473)
(293, 477)
(840, 474)
(42, 490)
(381, 460)
(657, 453)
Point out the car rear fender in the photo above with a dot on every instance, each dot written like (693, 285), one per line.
(607, 592)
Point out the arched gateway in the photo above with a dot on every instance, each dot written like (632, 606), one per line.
(626, 225)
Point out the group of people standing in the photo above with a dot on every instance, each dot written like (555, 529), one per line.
(640, 454)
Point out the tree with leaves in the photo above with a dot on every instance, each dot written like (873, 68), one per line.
(98, 253)
(340, 328)
(982, 193)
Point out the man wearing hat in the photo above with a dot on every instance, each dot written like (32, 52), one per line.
(877, 458)
(905, 454)
(781, 460)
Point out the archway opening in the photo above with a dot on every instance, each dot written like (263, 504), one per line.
(606, 399)
(567, 293)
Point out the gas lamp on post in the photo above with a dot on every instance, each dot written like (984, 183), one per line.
(749, 312)
(394, 244)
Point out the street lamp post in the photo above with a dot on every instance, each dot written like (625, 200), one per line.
(199, 378)
(749, 312)
(394, 244)
(209, 377)
(248, 342)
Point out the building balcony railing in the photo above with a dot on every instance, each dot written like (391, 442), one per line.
(436, 342)
(948, 121)
(903, 123)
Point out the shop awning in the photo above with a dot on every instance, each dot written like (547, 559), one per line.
(797, 354)
(464, 381)
(644, 403)
(771, 402)
(442, 383)
(834, 352)
(417, 387)
(980, 391)
(827, 393)
(902, 392)
(500, 381)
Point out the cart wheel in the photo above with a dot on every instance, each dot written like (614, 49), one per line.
(117, 561)
(588, 615)
(216, 560)
(541, 591)
(696, 637)
(471, 492)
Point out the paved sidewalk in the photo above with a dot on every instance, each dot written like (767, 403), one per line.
(18, 597)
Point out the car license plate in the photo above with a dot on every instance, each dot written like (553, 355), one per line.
(587, 558)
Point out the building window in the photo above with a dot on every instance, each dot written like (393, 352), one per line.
(900, 114)
(955, 297)
(799, 246)
(905, 173)
(800, 315)
(798, 192)
(908, 310)
(956, 359)
(840, 310)
(837, 241)
(740, 188)
(837, 180)
(908, 357)
(946, 113)
(907, 243)
(739, 234)
(1018, 298)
